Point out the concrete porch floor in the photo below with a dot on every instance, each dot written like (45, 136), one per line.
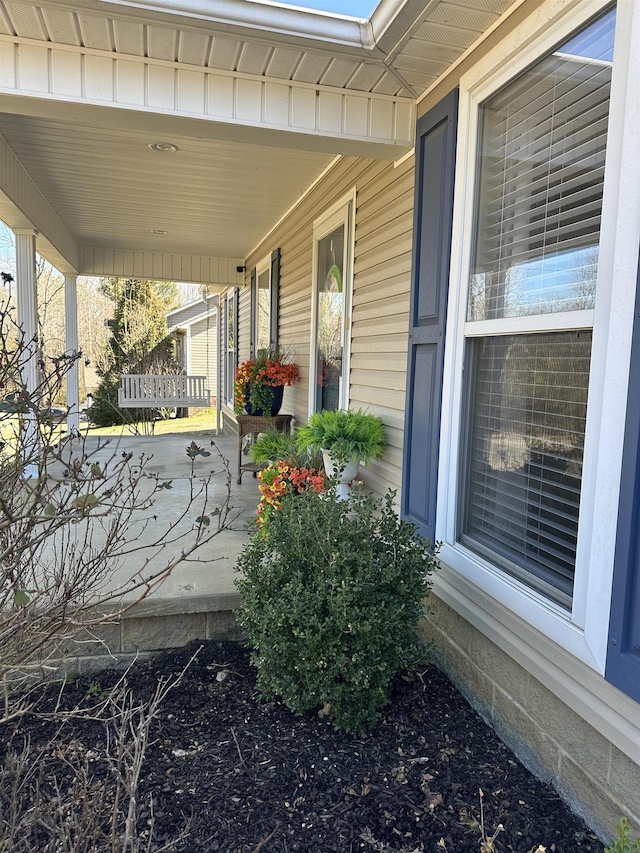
(198, 599)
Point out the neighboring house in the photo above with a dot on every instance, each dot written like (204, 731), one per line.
(194, 328)
(478, 292)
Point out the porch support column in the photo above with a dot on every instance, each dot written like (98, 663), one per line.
(27, 305)
(71, 334)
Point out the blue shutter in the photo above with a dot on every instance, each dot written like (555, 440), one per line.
(252, 316)
(433, 209)
(275, 297)
(623, 658)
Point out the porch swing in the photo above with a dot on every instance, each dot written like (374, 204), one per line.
(164, 391)
(144, 390)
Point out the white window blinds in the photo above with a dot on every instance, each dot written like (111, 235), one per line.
(541, 172)
(541, 159)
(525, 454)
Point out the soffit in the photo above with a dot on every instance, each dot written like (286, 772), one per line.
(401, 51)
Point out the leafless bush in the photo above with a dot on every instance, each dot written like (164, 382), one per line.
(72, 514)
(70, 798)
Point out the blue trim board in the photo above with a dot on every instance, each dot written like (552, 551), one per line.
(623, 656)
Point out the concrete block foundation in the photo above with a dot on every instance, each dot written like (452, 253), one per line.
(596, 779)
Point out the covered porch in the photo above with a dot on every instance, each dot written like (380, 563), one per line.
(146, 142)
(133, 145)
(162, 145)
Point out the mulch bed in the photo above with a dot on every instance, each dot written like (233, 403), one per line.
(248, 776)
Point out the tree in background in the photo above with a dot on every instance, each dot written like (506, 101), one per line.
(138, 344)
(93, 309)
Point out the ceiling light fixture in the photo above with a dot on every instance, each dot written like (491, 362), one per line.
(159, 231)
(163, 147)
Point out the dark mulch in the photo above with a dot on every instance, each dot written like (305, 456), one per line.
(251, 776)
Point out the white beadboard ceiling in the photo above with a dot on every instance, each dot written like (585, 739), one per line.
(213, 197)
(110, 189)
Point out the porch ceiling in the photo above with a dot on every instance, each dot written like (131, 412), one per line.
(108, 198)
(211, 197)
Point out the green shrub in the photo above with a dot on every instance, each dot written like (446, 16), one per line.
(331, 599)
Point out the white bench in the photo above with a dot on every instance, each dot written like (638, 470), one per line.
(139, 391)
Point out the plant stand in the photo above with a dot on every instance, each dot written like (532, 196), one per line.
(253, 425)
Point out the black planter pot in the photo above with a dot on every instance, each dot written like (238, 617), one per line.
(276, 405)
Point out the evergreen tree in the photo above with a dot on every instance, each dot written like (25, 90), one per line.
(138, 343)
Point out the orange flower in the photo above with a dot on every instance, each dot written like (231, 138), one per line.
(281, 479)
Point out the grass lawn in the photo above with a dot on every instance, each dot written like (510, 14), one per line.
(200, 422)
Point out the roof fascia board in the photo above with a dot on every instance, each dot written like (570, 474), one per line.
(216, 274)
(266, 18)
(317, 118)
(391, 19)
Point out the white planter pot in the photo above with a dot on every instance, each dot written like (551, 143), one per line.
(346, 475)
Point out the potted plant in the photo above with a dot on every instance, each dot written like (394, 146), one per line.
(272, 446)
(260, 382)
(345, 438)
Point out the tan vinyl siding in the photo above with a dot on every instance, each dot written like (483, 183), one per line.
(382, 279)
(244, 319)
(204, 352)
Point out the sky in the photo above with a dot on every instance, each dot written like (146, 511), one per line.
(355, 8)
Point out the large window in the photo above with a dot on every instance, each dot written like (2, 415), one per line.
(540, 172)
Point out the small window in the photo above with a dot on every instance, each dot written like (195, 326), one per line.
(263, 308)
(331, 307)
(265, 303)
(231, 358)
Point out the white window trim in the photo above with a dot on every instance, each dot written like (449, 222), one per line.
(343, 211)
(583, 632)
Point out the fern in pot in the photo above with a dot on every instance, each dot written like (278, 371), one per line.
(345, 438)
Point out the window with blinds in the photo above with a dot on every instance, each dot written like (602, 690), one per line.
(525, 454)
(541, 156)
(541, 171)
